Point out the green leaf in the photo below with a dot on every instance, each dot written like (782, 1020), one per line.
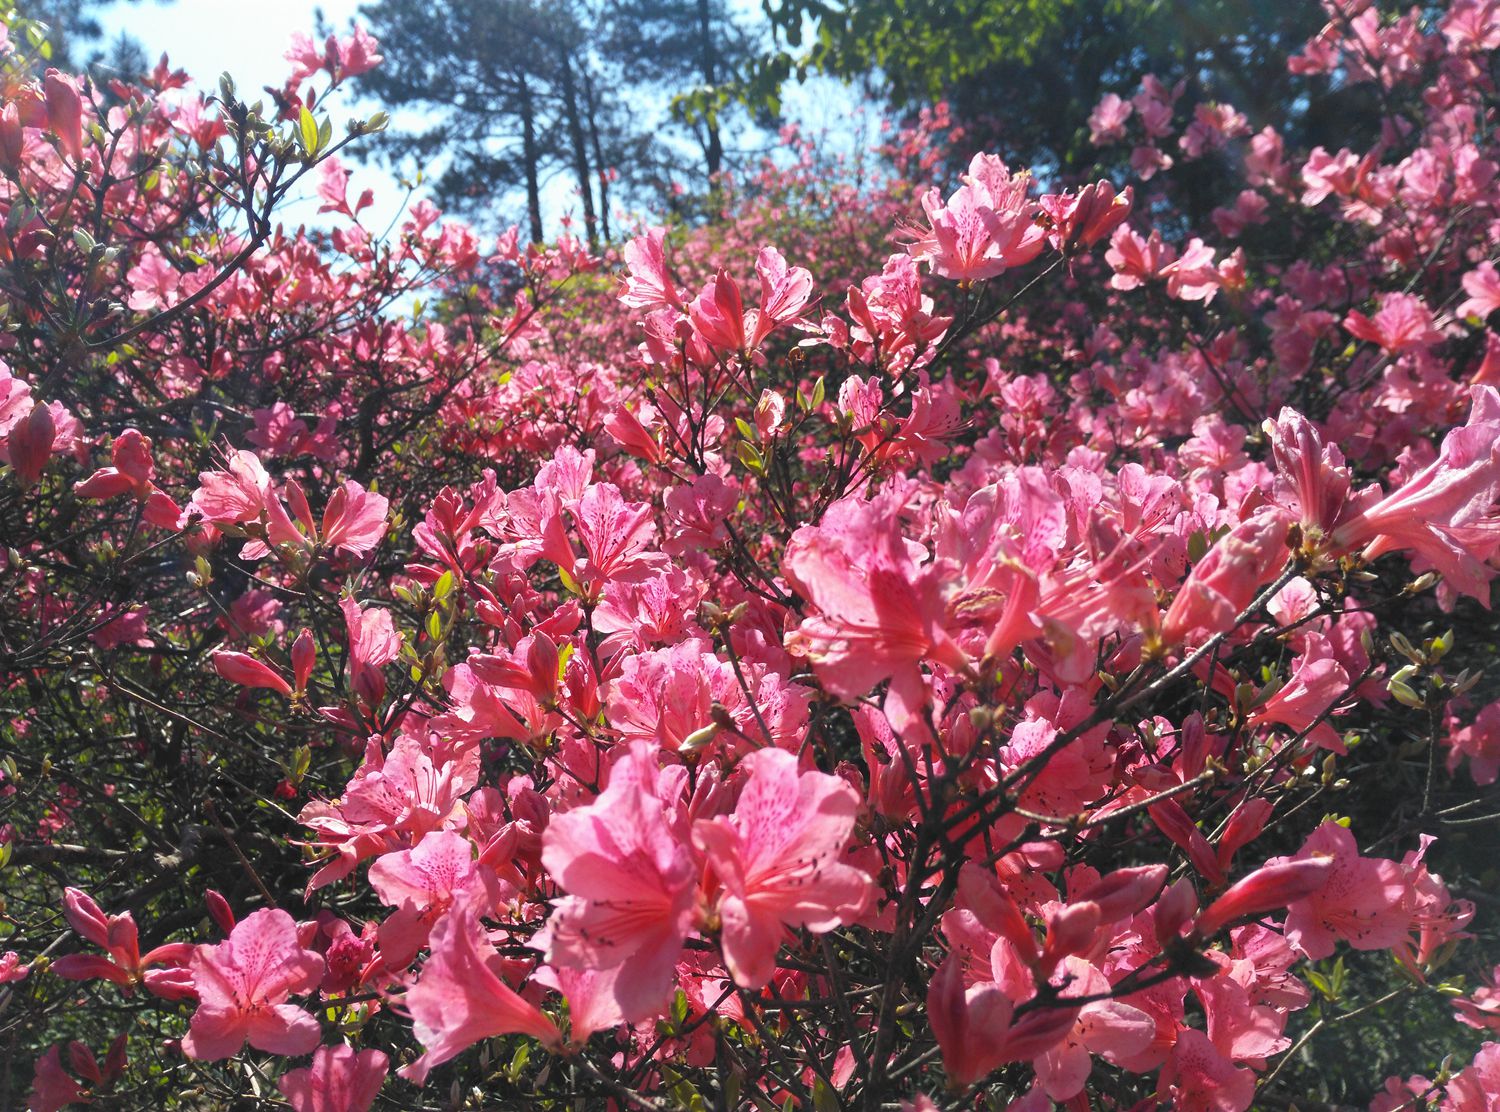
(307, 132)
(750, 457)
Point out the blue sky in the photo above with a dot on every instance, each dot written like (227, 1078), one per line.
(248, 37)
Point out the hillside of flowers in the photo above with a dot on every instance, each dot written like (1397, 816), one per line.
(931, 637)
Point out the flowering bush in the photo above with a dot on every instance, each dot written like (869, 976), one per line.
(951, 647)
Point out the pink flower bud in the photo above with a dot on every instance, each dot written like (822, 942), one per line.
(1126, 891)
(219, 910)
(1244, 826)
(1174, 909)
(248, 672)
(64, 112)
(31, 444)
(1266, 889)
(965, 1022)
(85, 916)
(1072, 930)
(304, 656)
(12, 139)
(541, 663)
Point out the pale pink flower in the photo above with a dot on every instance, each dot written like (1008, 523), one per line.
(1482, 284)
(1107, 121)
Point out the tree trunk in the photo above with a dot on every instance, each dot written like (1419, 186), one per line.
(713, 148)
(532, 157)
(580, 151)
(591, 114)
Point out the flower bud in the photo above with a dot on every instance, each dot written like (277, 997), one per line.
(248, 672)
(1266, 889)
(64, 112)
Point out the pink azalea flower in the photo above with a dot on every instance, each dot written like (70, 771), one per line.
(1198, 1077)
(1404, 323)
(1482, 284)
(784, 293)
(340, 1079)
(649, 284)
(1107, 121)
(1445, 513)
(1480, 743)
(1317, 682)
(1110, 1029)
(243, 984)
(630, 881)
(718, 314)
(460, 998)
(373, 643)
(236, 495)
(985, 228)
(878, 613)
(160, 970)
(1224, 582)
(777, 857)
(1364, 901)
(52, 1088)
(354, 520)
(423, 884)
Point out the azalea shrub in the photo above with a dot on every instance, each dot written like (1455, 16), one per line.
(918, 639)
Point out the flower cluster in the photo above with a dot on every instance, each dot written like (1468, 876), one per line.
(993, 649)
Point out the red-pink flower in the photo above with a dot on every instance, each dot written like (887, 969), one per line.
(340, 1079)
(649, 284)
(878, 613)
(777, 858)
(373, 643)
(718, 314)
(1225, 581)
(64, 111)
(460, 997)
(243, 984)
(51, 1087)
(985, 228)
(422, 884)
(1305, 702)
(1198, 1077)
